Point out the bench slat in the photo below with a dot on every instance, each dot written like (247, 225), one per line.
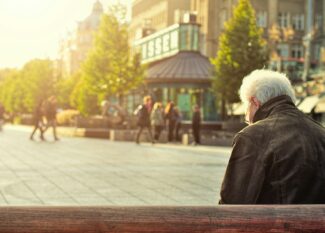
(310, 218)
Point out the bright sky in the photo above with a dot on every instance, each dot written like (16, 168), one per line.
(33, 28)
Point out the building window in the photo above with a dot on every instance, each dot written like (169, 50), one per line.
(283, 50)
(262, 19)
(283, 19)
(297, 51)
(298, 22)
(318, 21)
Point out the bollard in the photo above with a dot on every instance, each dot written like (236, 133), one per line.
(185, 139)
(112, 135)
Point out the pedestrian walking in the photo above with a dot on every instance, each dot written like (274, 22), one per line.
(143, 114)
(50, 108)
(157, 120)
(279, 157)
(178, 124)
(196, 124)
(38, 120)
(170, 116)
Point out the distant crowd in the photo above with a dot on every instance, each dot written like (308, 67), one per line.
(153, 116)
(150, 116)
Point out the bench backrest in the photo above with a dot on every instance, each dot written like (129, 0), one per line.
(307, 218)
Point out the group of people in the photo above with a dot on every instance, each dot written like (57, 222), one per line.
(44, 116)
(155, 116)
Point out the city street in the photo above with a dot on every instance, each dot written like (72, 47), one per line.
(81, 171)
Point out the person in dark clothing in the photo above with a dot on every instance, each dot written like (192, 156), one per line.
(143, 113)
(50, 108)
(178, 124)
(196, 124)
(280, 157)
(170, 116)
(38, 120)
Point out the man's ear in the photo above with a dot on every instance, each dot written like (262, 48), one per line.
(256, 102)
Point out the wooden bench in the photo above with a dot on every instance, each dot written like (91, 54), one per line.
(299, 218)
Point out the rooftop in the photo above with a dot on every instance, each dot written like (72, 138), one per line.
(191, 66)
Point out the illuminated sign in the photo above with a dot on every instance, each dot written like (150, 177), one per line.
(167, 42)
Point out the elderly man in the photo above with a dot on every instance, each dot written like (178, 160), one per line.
(280, 157)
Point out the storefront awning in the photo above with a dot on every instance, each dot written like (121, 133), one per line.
(307, 105)
(183, 67)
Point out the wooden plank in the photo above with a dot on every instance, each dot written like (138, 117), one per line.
(293, 218)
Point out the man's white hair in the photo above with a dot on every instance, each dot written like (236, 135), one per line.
(265, 85)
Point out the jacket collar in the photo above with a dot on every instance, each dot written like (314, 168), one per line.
(274, 104)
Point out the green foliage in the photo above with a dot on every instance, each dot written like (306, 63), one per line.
(65, 88)
(109, 69)
(84, 99)
(39, 82)
(241, 50)
(20, 90)
(12, 92)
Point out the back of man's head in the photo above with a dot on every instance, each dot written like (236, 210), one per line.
(265, 85)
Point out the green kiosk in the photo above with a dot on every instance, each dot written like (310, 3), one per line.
(177, 71)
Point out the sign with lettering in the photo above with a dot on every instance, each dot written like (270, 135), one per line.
(167, 42)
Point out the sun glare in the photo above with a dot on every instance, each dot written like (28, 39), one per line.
(33, 28)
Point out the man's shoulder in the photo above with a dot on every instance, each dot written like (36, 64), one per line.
(251, 130)
(274, 127)
(255, 132)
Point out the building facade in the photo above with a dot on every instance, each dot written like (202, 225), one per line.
(150, 16)
(285, 25)
(168, 38)
(74, 49)
(291, 27)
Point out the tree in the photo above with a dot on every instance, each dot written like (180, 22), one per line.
(20, 90)
(65, 87)
(38, 81)
(241, 50)
(109, 69)
(84, 99)
(12, 93)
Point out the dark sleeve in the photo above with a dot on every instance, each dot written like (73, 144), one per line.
(244, 176)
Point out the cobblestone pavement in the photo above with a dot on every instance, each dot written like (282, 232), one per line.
(81, 171)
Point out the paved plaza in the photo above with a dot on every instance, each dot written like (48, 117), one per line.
(81, 171)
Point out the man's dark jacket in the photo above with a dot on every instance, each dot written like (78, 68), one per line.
(280, 159)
